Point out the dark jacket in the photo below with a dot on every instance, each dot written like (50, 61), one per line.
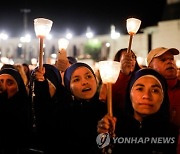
(146, 137)
(15, 118)
(76, 126)
(44, 106)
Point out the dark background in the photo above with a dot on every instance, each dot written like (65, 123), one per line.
(78, 15)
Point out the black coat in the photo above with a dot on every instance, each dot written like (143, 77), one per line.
(44, 106)
(15, 123)
(76, 125)
(141, 137)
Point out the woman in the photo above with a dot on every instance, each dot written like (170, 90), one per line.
(48, 93)
(78, 118)
(146, 126)
(129, 65)
(14, 113)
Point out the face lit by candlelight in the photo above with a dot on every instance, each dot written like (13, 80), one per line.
(83, 83)
(9, 84)
(165, 65)
(146, 96)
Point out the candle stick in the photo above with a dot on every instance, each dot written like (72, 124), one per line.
(132, 25)
(42, 28)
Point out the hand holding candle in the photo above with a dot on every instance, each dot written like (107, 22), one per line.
(62, 62)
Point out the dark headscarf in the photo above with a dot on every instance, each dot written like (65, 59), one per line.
(16, 75)
(52, 74)
(28, 70)
(7, 66)
(72, 60)
(164, 109)
(69, 71)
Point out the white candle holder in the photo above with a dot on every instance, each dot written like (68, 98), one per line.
(42, 28)
(132, 25)
(109, 71)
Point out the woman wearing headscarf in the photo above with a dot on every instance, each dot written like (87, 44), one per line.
(48, 93)
(145, 128)
(14, 113)
(76, 124)
(128, 65)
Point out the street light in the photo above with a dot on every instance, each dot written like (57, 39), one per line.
(114, 34)
(42, 28)
(109, 71)
(89, 33)
(132, 25)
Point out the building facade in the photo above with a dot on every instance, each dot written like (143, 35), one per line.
(166, 33)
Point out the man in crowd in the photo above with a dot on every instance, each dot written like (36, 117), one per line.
(162, 60)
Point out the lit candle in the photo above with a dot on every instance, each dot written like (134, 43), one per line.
(132, 25)
(109, 71)
(42, 28)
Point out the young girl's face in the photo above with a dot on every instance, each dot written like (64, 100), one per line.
(83, 83)
(146, 96)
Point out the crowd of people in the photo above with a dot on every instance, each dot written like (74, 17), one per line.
(63, 107)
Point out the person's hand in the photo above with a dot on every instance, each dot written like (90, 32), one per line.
(127, 63)
(62, 62)
(39, 74)
(107, 124)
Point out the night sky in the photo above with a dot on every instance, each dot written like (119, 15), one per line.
(77, 16)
